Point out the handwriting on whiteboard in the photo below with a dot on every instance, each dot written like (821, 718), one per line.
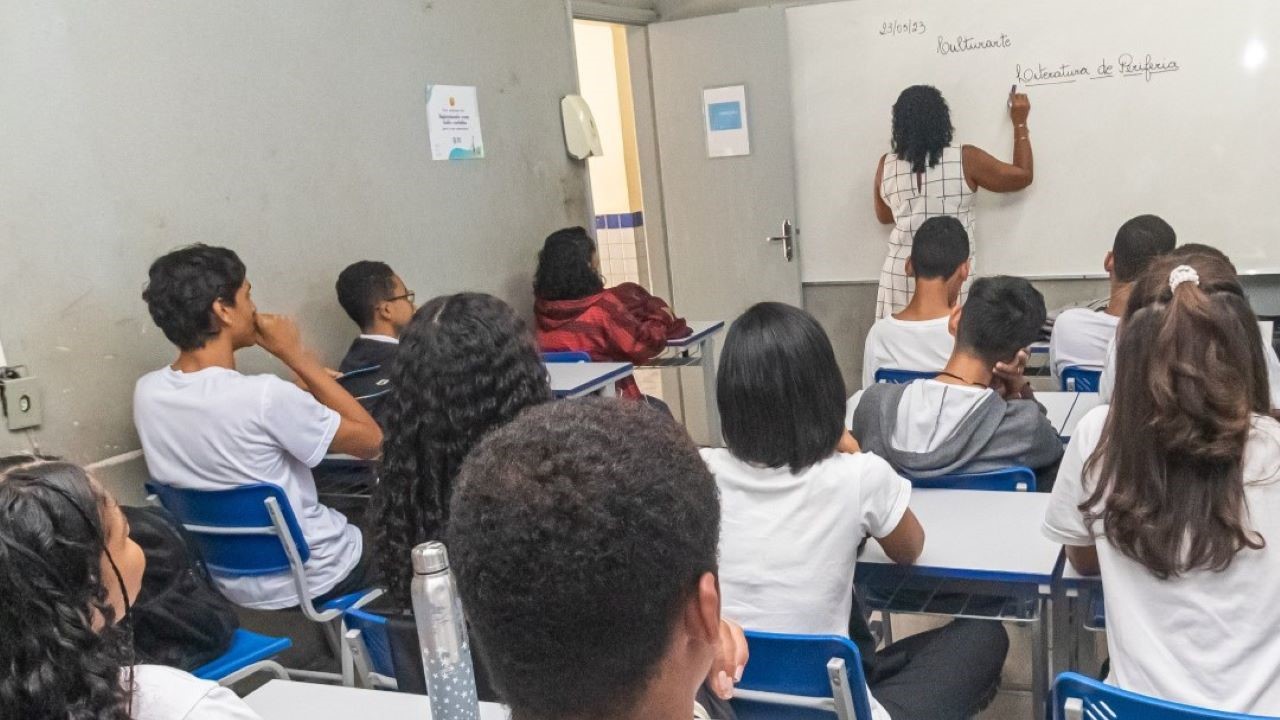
(1127, 65)
(964, 43)
(891, 28)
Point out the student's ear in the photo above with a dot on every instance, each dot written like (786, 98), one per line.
(909, 268)
(963, 271)
(954, 322)
(1109, 264)
(383, 310)
(223, 311)
(702, 614)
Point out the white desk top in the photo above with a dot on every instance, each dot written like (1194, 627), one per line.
(577, 379)
(1066, 408)
(980, 535)
(701, 330)
(285, 700)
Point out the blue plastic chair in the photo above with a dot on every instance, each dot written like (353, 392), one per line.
(1080, 378)
(795, 677)
(566, 356)
(249, 653)
(372, 664)
(902, 377)
(1010, 479)
(1076, 697)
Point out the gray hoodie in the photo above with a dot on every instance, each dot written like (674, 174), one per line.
(995, 434)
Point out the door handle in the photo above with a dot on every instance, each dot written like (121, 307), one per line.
(788, 240)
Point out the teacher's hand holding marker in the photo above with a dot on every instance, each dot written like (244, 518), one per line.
(927, 175)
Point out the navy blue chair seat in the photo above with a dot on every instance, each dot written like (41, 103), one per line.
(902, 377)
(1076, 697)
(250, 652)
(1011, 479)
(802, 677)
(1080, 378)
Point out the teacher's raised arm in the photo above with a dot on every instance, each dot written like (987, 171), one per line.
(927, 175)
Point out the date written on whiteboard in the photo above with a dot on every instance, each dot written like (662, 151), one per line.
(892, 28)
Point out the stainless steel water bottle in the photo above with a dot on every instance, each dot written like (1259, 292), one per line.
(442, 635)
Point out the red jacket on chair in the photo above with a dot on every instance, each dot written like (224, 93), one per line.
(618, 324)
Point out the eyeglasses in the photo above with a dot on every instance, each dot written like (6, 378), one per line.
(407, 296)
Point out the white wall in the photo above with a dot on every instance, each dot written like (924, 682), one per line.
(681, 9)
(293, 131)
(598, 83)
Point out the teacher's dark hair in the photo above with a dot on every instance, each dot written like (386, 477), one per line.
(564, 266)
(780, 392)
(921, 126)
(1191, 375)
(57, 665)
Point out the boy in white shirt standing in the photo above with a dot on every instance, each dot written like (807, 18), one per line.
(205, 426)
(917, 338)
(1080, 335)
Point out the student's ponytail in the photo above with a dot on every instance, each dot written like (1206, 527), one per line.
(1190, 380)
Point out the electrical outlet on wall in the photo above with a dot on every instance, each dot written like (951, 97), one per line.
(23, 402)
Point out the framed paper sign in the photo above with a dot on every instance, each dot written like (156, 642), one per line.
(453, 122)
(725, 113)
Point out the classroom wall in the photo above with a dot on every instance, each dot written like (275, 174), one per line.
(681, 9)
(292, 131)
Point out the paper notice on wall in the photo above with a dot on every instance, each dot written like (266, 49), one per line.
(453, 122)
(725, 111)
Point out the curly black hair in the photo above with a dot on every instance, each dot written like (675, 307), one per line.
(361, 286)
(182, 287)
(921, 126)
(564, 266)
(466, 364)
(52, 537)
(579, 529)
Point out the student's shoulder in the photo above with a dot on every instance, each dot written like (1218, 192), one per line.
(165, 693)
(866, 466)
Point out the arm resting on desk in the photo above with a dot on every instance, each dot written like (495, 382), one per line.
(906, 542)
(1084, 558)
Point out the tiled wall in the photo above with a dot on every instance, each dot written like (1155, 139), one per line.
(623, 253)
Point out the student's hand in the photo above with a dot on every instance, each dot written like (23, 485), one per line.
(1009, 379)
(848, 444)
(278, 335)
(1019, 108)
(731, 659)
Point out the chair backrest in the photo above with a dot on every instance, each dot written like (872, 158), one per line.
(797, 665)
(233, 528)
(366, 383)
(902, 377)
(566, 356)
(1010, 479)
(373, 630)
(1079, 378)
(1076, 697)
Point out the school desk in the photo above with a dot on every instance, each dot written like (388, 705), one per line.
(698, 348)
(572, 380)
(286, 700)
(1065, 409)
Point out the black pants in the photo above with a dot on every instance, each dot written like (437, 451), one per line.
(361, 577)
(950, 673)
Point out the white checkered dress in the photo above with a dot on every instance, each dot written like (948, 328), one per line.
(945, 192)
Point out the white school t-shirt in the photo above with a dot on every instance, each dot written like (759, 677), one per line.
(1205, 638)
(1081, 337)
(216, 429)
(789, 543)
(165, 693)
(906, 345)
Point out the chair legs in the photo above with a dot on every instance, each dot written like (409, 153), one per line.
(270, 666)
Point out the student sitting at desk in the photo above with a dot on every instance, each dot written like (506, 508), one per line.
(584, 541)
(798, 498)
(1107, 381)
(377, 301)
(575, 311)
(467, 365)
(1080, 335)
(1171, 493)
(917, 337)
(205, 426)
(973, 417)
(69, 573)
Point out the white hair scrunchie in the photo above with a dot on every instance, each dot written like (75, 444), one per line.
(1181, 274)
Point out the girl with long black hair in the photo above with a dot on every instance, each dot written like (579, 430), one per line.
(68, 573)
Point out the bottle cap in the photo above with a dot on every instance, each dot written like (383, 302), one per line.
(430, 558)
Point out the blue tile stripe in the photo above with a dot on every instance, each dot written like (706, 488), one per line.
(614, 221)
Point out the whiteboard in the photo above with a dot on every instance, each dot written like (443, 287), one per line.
(1199, 146)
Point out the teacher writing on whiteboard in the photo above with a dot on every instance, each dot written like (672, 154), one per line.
(926, 176)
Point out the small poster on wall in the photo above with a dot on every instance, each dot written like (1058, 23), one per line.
(453, 122)
(726, 117)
